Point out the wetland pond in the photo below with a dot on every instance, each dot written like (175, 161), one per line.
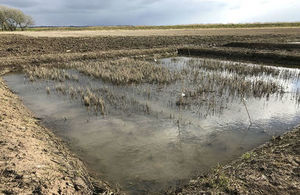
(144, 137)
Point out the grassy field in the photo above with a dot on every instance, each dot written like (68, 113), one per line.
(191, 26)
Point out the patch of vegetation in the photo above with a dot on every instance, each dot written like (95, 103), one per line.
(61, 75)
(217, 181)
(248, 155)
(125, 71)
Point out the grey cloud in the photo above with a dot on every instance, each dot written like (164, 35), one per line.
(91, 5)
(112, 5)
(123, 12)
(19, 3)
(133, 12)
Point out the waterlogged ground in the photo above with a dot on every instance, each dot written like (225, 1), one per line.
(146, 133)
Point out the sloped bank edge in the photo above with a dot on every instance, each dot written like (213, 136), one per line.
(271, 168)
(74, 167)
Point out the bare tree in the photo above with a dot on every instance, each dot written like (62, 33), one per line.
(22, 20)
(11, 19)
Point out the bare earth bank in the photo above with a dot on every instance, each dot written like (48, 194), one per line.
(33, 160)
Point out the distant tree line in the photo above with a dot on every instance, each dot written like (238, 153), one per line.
(11, 19)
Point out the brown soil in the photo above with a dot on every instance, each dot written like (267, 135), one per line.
(17, 45)
(34, 161)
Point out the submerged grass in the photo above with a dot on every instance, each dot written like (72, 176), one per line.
(207, 86)
(89, 99)
(240, 68)
(48, 73)
(120, 71)
(213, 85)
(125, 71)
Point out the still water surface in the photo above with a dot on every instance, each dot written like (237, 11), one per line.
(148, 152)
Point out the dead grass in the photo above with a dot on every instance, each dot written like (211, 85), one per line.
(241, 68)
(38, 72)
(162, 32)
(125, 71)
(120, 71)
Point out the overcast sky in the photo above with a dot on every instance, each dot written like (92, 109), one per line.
(156, 12)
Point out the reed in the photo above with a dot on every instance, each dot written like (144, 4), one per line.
(208, 86)
(48, 90)
(212, 85)
(39, 72)
(124, 71)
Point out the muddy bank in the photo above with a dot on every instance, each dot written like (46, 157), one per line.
(287, 59)
(269, 46)
(272, 168)
(33, 160)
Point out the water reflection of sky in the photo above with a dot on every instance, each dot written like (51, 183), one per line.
(147, 152)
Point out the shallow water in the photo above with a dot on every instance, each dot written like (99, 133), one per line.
(146, 152)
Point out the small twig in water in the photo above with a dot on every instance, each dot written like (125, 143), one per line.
(244, 102)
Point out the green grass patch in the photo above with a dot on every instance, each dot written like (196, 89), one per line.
(248, 155)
